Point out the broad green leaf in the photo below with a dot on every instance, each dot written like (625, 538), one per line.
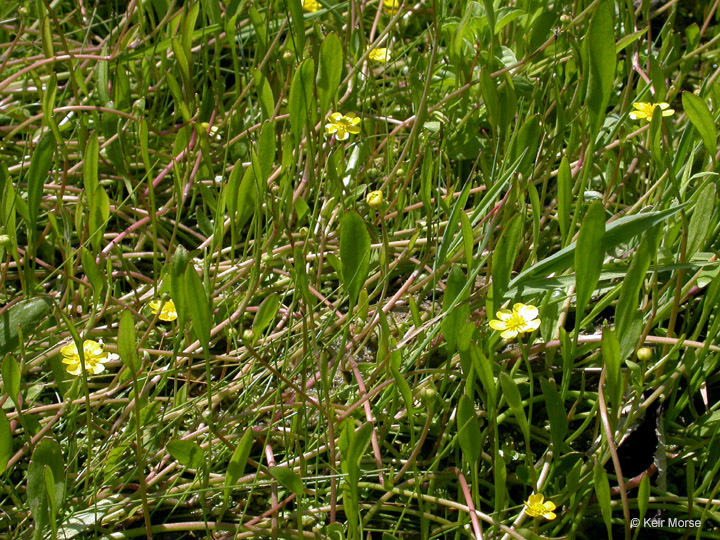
(177, 282)
(266, 99)
(700, 221)
(330, 66)
(288, 478)
(627, 310)
(589, 257)
(618, 232)
(266, 314)
(490, 96)
(187, 453)
(46, 453)
(556, 414)
(504, 255)
(40, 164)
(93, 273)
(246, 202)
(198, 307)
(455, 307)
(97, 217)
(699, 114)
(613, 374)
(238, 461)
(511, 393)
(483, 368)
(354, 254)
(601, 59)
(90, 167)
(11, 379)
(301, 97)
(266, 150)
(27, 314)
(602, 491)
(469, 434)
(5, 441)
(525, 145)
(127, 346)
(233, 188)
(50, 492)
(298, 26)
(630, 38)
(643, 497)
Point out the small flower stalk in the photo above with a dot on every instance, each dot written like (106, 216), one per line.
(523, 318)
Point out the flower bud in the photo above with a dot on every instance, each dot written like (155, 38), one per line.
(374, 199)
(645, 353)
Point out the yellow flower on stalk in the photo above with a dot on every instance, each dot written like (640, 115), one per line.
(380, 55)
(374, 199)
(342, 125)
(644, 111)
(521, 319)
(167, 311)
(94, 354)
(311, 5)
(535, 507)
(391, 6)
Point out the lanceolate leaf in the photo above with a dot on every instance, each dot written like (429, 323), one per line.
(589, 256)
(329, 70)
(354, 254)
(602, 59)
(699, 114)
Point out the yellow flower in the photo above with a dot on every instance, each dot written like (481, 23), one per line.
(310, 5)
(167, 313)
(535, 507)
(521, 319)
(391, 6)
(381, 55)
(342, 125)
(95, 357)
(644, 111)
(374, 199)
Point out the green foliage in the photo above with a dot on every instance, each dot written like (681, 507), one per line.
(332, 371)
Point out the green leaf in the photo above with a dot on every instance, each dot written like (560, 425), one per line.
(177, 282)
(11, 379)
(564, 179)
(40, 164)
(266, 314)
(514, 400)
(618, 232)
(504, 255)
(354, 254)
(329, 71)
(27, 314)
(700, 221)
(46, 453)
(198, 306)
(630, 38)
(90, 167)
(456, 309)
(643, 496)
(266, 150)
(602, 60)
(98, 216)
(613, 374)
(93, 273)
(589, 257)
(5, 441)
(404, 388)
(602, 490)
(238, 461)
(449, 235)
(301, 98)
(127, 346)
(699, 114)
(288, 478)
(469, 433)
(483, 368)
(246, 201)
(298, 25)
(556, 414)
(525, 145)
(187, 453)
(626, 310)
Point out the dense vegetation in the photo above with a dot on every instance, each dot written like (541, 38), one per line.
(373, 269)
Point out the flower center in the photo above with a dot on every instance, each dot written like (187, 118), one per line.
(515, 322)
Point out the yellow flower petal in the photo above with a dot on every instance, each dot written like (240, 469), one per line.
(497, 325)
